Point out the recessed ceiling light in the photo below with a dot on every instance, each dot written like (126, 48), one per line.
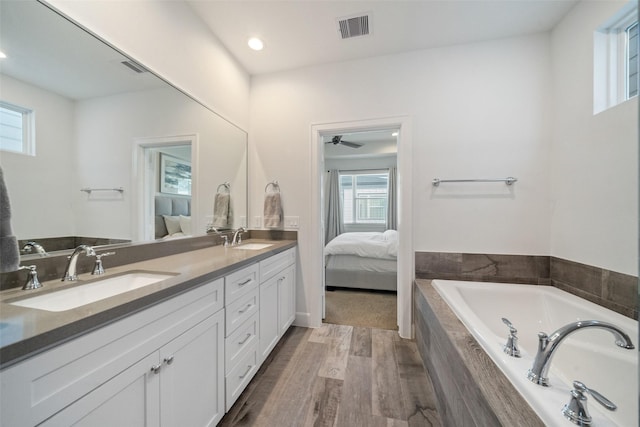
(2, 55)
(255, 43)
(394, 134)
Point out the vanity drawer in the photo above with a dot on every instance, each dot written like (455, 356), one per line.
(240, 310)
(271, 266)
(237, 344)
(240, 282)
(239, 377)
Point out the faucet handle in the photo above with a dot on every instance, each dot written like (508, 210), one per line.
(32, 279)
(97, 267)
(576, 410)
(511, 347)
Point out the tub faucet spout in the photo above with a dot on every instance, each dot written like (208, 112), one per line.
(547, 346)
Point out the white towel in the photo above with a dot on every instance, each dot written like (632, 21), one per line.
(221, 210)
(272, 210)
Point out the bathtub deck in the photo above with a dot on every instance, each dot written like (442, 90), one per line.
(476, 391)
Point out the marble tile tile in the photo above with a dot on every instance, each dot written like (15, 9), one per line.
(620, 288)
(435, 264)
(584, 277)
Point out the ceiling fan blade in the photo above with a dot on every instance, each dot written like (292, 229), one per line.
(351, 144)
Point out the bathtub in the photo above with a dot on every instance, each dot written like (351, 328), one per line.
(589, 355)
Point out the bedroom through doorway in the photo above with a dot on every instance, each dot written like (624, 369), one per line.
(360, 235)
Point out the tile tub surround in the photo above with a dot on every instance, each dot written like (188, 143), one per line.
(471, 389)
(52, 267)
(615, 291)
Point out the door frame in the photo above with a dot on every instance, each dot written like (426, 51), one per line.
(406, 269)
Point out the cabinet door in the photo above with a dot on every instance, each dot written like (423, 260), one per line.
(131, 398)
(286, 299)
(192, 376)
(268, 317)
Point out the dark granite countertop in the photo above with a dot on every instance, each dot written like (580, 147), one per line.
(25, 332)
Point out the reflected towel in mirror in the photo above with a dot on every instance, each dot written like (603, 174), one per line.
(272, 210)
(221, 210)
(9, 250)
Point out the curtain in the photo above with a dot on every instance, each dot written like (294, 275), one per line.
(334, 224)
(392, 201)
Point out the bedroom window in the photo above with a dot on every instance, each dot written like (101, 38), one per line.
(364, 197)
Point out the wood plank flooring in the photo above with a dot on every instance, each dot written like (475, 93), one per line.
(340, 376)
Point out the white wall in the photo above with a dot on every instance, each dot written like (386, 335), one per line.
(478, 110)
(41, 207)
(169, 39)
(594, 162)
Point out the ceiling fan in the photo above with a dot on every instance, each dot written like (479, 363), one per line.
(338, 140)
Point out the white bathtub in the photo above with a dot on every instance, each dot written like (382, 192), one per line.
(588, 355)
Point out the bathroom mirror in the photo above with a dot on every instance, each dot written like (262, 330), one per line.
(94, 113)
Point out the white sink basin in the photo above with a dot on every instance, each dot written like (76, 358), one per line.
(253, 246)
(79, 295)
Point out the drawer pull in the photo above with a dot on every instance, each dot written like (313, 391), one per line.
(245, 282)
(168, 360)
(246, 372)
(246, 308)
(245, 339)
(156, 368)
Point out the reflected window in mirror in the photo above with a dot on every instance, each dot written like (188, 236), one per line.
(16, 129)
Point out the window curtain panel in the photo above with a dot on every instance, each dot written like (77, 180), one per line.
(334, 224)
(392, 200)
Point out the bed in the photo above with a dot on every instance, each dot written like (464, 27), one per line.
(362, 260)
(172, 216)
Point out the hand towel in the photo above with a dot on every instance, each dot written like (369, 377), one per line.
(272, 210)
(221, 210)
(9, 250)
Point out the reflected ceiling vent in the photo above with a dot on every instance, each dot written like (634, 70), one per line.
(354, 26)
(134, 66)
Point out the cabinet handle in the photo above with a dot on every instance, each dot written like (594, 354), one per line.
(245, 339)
(245, 282)
(168, 360)
(246, 308)
(246, 372)
(156, 368)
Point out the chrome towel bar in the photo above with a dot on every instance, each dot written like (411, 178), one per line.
(89, 190)
(508, 180)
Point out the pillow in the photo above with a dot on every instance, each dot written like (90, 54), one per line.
(172, 223)
(185, 224)
(390, 235)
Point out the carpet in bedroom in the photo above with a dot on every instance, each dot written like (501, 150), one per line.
(361, 308)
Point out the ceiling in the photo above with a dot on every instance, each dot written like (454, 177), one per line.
(303, 33)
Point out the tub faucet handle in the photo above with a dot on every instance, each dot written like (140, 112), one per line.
(511, 347)
(576, 410)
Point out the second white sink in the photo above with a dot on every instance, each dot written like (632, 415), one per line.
(83, 294)
(253, 246)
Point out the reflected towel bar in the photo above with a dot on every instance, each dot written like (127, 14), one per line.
(89, 190)
(509, 180)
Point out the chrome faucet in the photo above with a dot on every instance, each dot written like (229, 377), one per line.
(237, 238)
(33, 246)
(548, 344)
(70, 272)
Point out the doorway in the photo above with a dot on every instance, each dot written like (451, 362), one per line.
(360, 239)
(405, 263)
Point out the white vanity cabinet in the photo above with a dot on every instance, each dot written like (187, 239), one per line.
(162, 366)
(241, 343)
(277, 299)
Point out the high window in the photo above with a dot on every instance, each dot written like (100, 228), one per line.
(616, 59)
(16, 129)
(364, 197)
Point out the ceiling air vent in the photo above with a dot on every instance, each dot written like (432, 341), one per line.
(353, 26)
(134, 66)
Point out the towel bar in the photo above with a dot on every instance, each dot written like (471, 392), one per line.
(508, 180)
(89, 190)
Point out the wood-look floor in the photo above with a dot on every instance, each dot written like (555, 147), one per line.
(340, 376)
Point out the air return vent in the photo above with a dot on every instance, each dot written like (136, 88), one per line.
(134, 66)
(353, 26)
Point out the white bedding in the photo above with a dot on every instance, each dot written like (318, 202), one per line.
(367, 245)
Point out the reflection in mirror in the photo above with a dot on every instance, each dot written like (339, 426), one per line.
(96, 115)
